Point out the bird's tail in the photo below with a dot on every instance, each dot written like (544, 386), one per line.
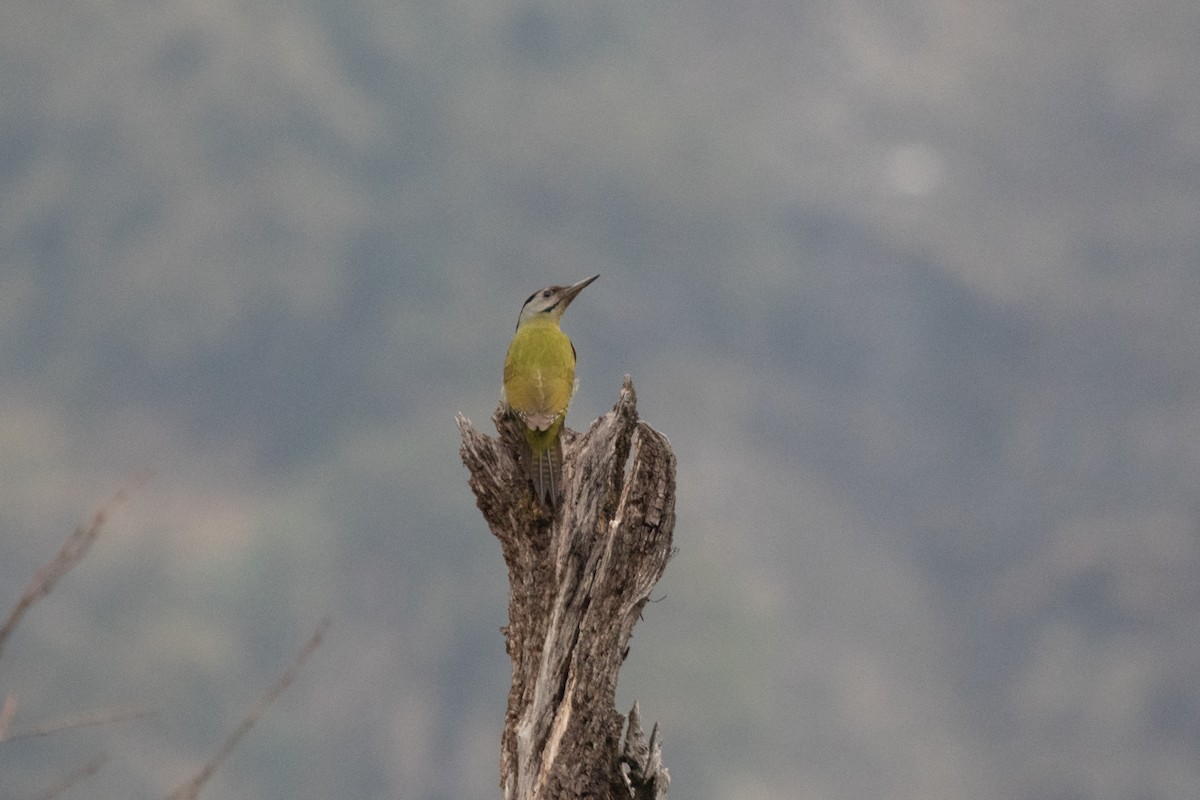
(545, 470)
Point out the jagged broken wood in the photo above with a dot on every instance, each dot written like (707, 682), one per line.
(578, 579)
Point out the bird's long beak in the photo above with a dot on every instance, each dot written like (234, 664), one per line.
(570, 292)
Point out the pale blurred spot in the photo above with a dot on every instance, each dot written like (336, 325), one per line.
(213, 529)
(182, 637)
(914, 170)
(865, 692)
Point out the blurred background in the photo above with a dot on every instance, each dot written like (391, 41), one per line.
(912, 287)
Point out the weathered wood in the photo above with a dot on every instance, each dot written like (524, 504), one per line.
(579, 576)
(648, 778)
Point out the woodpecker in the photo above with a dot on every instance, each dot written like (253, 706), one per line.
(539, 382)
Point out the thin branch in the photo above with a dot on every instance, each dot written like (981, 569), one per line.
(86, 771)
(99, 716)
(6, 713)
(71, 553)
(191, 789)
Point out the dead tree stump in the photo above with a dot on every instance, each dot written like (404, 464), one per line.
(579, 576)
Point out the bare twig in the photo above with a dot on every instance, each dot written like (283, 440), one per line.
(86, 771)
(71, 553)
(6, 714)
(191, 789)
(99, 716)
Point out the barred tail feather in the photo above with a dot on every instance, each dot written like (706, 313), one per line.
(545, 470)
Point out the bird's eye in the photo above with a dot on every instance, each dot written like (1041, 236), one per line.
(547, 293)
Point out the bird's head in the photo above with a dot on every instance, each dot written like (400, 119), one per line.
(551, 302)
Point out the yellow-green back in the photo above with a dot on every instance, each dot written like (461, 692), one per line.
(539, 379)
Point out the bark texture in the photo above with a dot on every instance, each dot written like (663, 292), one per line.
(579, 576)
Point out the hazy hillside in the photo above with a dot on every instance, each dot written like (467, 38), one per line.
(912, 289)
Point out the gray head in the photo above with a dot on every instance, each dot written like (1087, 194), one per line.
(551, 302)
